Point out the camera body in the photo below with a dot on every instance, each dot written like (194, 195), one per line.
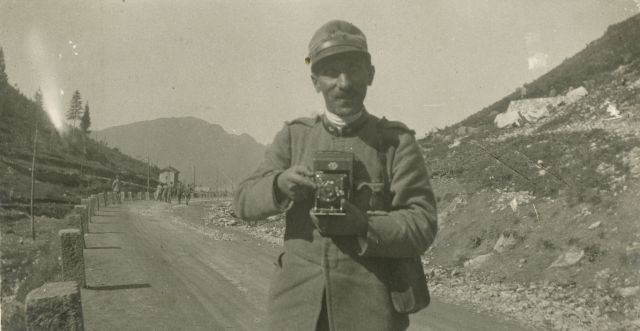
(332, 174)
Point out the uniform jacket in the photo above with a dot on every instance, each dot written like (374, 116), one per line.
(352, 272)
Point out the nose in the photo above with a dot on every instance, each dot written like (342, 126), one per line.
(344, 81)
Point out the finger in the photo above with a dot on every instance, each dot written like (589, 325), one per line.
(300, 180)
(303, 171)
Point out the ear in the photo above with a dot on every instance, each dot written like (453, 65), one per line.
(372, 73)
(314, 81)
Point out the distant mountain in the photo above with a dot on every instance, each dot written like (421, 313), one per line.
(221, 159)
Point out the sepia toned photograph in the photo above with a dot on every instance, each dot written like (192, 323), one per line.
(320, 165)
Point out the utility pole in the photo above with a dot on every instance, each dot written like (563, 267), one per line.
(33, 178)
(148, 172)
(194, 175)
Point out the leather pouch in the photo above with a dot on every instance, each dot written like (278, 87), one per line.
(408, 285)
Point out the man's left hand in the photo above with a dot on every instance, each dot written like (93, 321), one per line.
(354, 223)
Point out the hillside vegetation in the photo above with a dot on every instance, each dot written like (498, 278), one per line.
(540, 221)
(68, 165)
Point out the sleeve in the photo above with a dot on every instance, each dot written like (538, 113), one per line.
(410, 227)
(255, 198)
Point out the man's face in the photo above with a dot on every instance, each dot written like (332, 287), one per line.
(343, 80)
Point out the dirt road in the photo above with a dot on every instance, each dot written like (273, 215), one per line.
(153, 266)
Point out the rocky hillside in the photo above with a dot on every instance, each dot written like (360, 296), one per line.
(68, 165)
(221, 159)
(540, 220)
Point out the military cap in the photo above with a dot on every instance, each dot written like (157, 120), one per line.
(336, 37)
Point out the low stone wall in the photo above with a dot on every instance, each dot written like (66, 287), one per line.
(72, 244)
(54, 306)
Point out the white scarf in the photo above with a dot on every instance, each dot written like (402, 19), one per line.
(341, 121)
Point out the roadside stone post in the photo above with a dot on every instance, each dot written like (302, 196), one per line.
(139, 196)
(87, 203)
(54, 306)
(146, 195)
(94, 205)
(84, 217)
(76, 220)
(106, 199)
(72, 243)
(122, 196)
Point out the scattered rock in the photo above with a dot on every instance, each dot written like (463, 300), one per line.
(569, 258)
(626, 292)
(632, 160)
(505, 243)
(477, 261)
(594, 225)
(514, 204)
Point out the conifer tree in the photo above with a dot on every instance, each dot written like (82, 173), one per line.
(85, 121)
(75, 108)
(3, 74)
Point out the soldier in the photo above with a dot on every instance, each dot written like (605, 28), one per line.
(187, 194)
(179, 190)
(169, 192)
(115, 186)
(163, 193)
(156, 194)
(360, 271)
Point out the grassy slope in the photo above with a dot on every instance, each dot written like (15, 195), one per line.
(64, 173)
(569, 171)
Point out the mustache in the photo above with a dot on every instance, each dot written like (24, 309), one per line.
(350, 94)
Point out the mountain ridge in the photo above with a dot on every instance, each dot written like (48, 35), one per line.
(221, 158)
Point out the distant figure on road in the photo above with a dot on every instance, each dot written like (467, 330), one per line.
(169, 192)
(179, 191)
(115, 186)
(156, 194)
(360, 269)
(187, 194)
(163, 193)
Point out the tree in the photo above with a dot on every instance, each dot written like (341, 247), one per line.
(85, 121)
(3, 74)
(75, 109)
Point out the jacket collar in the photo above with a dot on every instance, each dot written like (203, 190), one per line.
(348, 129)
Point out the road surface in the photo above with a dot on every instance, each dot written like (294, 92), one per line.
(153, 266)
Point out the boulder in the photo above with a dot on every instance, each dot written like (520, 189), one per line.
(505, 243)
(626, 292)
(477, 261)
(569, 258)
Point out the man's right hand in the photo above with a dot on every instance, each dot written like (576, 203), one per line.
(295, 183)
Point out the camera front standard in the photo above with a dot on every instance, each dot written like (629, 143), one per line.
(333, 173)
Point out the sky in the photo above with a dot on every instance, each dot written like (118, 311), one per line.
(240, 63)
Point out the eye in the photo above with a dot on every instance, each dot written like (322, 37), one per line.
(331, 71)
